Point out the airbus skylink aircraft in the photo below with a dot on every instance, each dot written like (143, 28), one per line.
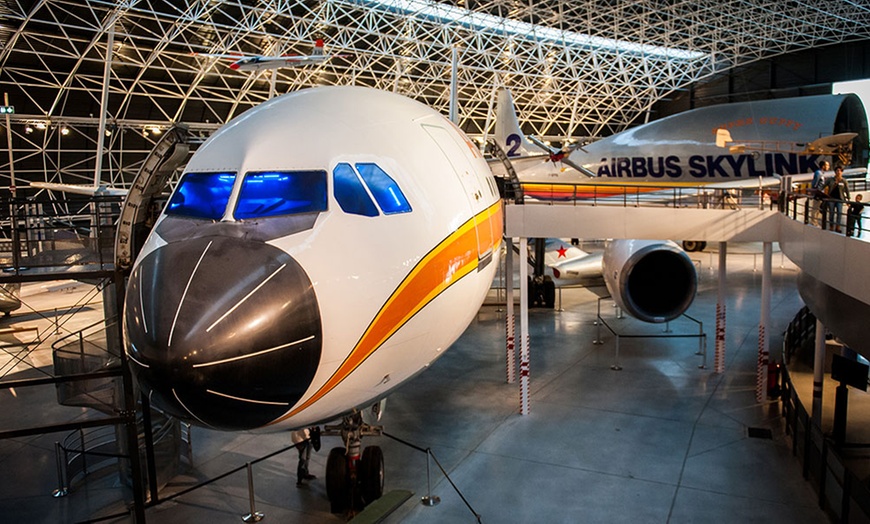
(238, 314)
(683, 148)
(655, 281)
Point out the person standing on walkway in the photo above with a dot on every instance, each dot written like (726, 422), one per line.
(305, 439)
(853, 217)
(816, 192)
(837, 191)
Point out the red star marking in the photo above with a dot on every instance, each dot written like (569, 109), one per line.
(562, 251)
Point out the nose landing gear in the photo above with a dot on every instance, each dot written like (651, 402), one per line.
(354, 479)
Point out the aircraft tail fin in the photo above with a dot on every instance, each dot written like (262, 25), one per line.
(723, 137)
(318, 47)
(558, 250)
(508, 133)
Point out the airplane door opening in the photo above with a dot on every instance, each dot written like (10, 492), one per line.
(860, 87)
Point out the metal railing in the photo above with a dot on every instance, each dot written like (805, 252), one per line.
(831, 470)
(57, 233)
(646, 195)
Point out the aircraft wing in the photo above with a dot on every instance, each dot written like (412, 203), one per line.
(520, 163)
(80, 189)
(271, 62)
(830, 144)
(563, 155)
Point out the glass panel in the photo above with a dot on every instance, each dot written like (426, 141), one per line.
(276, 193)
(202, 195)
(350, 192)
(385, 190)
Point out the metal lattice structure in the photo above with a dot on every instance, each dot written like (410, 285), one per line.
(581, 68)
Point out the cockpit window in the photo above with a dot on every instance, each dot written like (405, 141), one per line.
(385, 190)
(202, 195)
(273, 193)
(350, 192)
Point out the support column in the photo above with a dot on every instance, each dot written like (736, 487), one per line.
(719, 357)
(763, 343)
(510, 351)
(104, 107)
(524, 327)
(453, 110)
(818, 373)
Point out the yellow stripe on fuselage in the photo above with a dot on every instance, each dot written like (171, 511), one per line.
(455, 257)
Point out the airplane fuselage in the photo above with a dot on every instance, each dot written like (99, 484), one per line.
(682, 147)
(320, 250)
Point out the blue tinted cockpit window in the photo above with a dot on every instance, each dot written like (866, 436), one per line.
(384, 189)
(202, 195)
(350, 192)
(273, 193)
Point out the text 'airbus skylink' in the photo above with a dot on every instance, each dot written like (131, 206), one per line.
(319, 250)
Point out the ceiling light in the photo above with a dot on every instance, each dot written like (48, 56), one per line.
(64, 130)
(430, 10)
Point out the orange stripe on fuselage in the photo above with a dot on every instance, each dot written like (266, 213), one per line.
(456, 256)
(601, 189)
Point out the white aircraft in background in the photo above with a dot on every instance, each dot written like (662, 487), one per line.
(682, 149)
(259, 63)
(81, 189)
(652, 280)
(238, 314)
(10, 297)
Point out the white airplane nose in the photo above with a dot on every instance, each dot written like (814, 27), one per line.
(222, 330)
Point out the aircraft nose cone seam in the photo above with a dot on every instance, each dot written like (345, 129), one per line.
(184, 294)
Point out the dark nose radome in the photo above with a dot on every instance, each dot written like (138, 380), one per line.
(222, 331)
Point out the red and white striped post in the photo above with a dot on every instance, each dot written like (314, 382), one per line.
(763, 345)
(510, 349)
(719, 357)
(524, 328)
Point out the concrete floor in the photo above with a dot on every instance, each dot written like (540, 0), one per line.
(659, 441)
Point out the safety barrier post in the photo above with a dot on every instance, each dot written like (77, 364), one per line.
(429, 500)
(615, 366)
(254, 515)
(62, 488)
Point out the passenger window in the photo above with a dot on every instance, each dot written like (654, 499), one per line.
(385, 190)
(350, 192)
(274, 193)
(202, 195)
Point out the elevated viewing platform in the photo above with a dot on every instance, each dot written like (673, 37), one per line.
(702, 214)
(49, 239)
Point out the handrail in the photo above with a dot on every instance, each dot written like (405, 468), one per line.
(823, 462)
(105, 324)
(643, 194)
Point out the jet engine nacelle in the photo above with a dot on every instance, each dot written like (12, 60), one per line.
(651, 280)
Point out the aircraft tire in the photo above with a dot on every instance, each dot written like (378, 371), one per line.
(694, 245)
(371, 474)
(549, 292)
(337, 482)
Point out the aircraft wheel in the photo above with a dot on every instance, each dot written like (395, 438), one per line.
(337, 483)
(694, 245)
(549, 292)
(371, 474)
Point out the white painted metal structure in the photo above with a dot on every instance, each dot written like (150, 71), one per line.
(576, 68)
